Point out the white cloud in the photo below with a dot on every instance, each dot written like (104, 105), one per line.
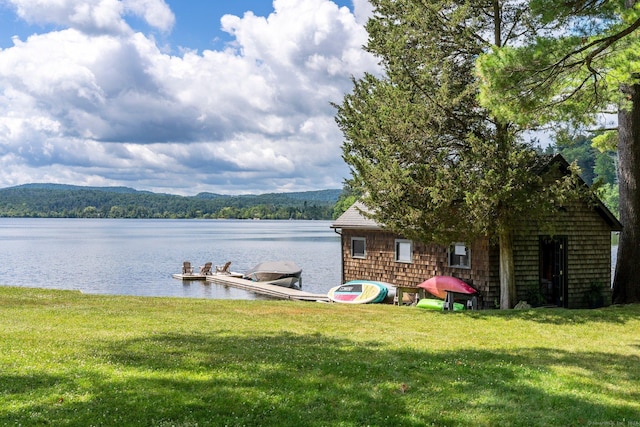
(155, 12)
(95, 103)
(94, 16)
(363, 10)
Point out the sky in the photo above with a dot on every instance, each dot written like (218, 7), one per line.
(178, 96)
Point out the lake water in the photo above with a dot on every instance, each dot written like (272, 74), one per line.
(138, 257)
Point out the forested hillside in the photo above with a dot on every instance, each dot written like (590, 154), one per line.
(65, 201)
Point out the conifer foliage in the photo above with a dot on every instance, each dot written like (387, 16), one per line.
(433, 164)
(587, 64)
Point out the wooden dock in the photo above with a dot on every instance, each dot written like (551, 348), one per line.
(266, 288)
(193, 276)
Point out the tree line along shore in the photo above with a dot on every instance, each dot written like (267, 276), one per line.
(62, 201)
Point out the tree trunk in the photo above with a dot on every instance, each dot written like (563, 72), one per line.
(507, 271)
(626, 284)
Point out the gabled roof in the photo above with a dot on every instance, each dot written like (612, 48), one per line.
(354, 218)
(599, 207)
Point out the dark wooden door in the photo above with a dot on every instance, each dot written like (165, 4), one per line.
(553, 271)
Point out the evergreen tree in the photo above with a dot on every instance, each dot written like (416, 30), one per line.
(431, 163)
(588, 63)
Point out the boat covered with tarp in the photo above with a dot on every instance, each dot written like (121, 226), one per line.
(281, 273)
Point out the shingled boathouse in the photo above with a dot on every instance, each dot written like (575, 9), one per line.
(565, 270)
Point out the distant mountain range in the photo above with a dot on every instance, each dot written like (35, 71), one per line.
(42, 186)
(71, 201)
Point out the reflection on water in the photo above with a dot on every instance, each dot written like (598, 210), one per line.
(137, 257)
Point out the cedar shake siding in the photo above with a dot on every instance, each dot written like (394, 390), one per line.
(587, 236)
(428, 260)
(379, 262)
(555, 266)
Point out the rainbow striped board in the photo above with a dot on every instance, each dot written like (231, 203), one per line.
(359, 292)
(439, 285)
(437, 304)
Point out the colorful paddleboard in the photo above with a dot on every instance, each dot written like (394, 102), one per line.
(359, 292)
(439, 285)
(437, 304)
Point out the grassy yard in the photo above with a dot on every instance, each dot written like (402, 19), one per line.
(68, 359)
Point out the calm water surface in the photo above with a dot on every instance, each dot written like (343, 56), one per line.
(137, 257)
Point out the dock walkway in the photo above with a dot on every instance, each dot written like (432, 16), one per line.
(192, 276)
(266, 288)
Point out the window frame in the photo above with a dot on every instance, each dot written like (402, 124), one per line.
(397, 244)
(451, 252)
(359, 255)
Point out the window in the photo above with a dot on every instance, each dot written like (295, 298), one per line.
(459, 255)
(404, 251)
(358, 247)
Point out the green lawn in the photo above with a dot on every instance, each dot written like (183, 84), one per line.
(73, 359)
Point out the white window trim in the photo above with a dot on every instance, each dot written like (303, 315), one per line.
(468, 251)
(397, 253)
(364, 241)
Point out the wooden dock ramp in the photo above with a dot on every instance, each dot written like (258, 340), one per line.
(192, 276)
(266, 288)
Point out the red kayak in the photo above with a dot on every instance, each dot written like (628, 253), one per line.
(439, 285)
